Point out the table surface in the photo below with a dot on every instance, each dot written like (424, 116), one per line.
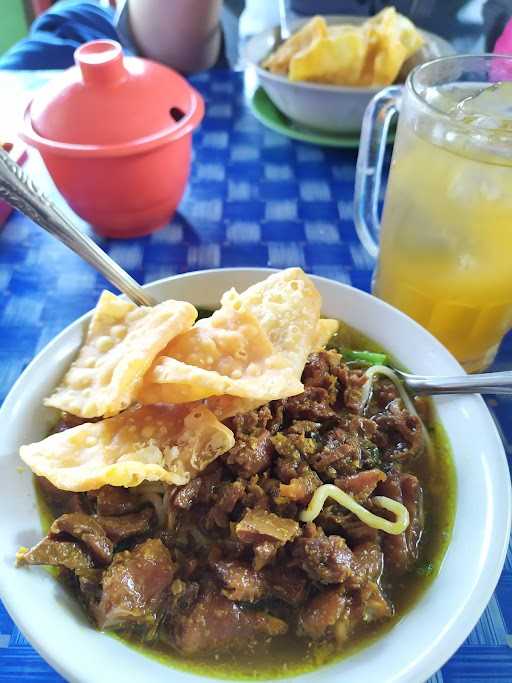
(255, 198)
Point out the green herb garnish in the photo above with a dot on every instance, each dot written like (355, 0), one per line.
(370, 357)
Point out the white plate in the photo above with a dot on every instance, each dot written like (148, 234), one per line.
(321, 107)
(415, 648)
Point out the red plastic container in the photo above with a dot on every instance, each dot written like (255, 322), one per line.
(115, 133)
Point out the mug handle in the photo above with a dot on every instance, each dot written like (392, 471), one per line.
(374, 132)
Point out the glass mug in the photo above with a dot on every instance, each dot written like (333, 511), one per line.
(445, 254)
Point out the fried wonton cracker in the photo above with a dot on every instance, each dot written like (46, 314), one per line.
(154, 443)
(325, 329)
(287, 306)
(336, 59)
(392, 38)
(369, 54)
(203, 361)
(121, 343)
(227, 406)
(279, 61)
(254, 347)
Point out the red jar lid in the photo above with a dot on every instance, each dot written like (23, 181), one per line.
(109, 104)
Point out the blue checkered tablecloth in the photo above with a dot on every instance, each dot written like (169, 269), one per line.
(255, 198)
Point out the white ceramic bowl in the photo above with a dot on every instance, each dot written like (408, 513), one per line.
(327, 108)
(411, 651)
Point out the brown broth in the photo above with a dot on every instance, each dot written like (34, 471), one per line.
(289, 655)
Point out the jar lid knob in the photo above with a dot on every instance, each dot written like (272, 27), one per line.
(101, 62)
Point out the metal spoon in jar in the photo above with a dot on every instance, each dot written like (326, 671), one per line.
(20, 191)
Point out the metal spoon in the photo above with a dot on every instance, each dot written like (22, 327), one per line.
(284, 28)
(20, 191)
(486, 383)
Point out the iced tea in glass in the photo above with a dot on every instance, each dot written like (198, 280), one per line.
(446, 235)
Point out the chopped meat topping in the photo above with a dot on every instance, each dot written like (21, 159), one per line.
(58, 554)
(187, 495)
(202, 566)
(320, 371)
(321, 613)
(250, 454)
(300, 489)
(264, 553)
(226, 497)
(86, 529)
(240, 581)
(114, 500)
(260, 525)
(290, 586)
(401, 551)
(327, 559)
(61, 501)
(216, 623)
(340, 454)
(311, 405)
(399, 434)
(368, 560)
(127, 526)
(362, 484)
(370, 604)
(135, 585)
(412, 497)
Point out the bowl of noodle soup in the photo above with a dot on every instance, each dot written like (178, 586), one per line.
(418, 643)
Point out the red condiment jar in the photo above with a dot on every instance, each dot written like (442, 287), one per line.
(115, 133)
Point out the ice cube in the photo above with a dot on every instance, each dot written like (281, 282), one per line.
(489, 109)
(443, 99)
(473, 184)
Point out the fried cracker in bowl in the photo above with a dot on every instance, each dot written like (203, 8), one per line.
(143, 373)
(323, 77)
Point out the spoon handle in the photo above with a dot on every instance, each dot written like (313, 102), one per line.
(486, 383)
(20, 191)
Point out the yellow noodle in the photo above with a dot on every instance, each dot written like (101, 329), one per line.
(409, 405)
(387, 372)
(345, 500)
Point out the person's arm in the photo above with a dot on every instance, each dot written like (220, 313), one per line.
(184, 34)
